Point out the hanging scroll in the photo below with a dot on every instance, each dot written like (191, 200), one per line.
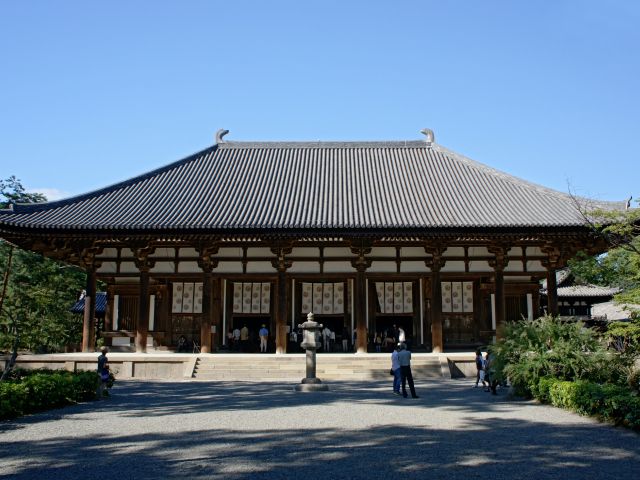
(395, 297)
(187, 298)
(251, 297)
(457, 297)
(323, 298)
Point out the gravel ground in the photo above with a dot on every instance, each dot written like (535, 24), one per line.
(356, 431)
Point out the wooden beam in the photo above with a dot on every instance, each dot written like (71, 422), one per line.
(88, 324)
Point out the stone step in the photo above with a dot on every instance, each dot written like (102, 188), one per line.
(338, 368)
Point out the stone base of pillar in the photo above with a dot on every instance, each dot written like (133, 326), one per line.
(311, 387)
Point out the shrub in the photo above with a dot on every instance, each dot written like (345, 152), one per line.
(32, 391)
(547, 346)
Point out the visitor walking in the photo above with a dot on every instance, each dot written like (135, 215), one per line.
(479, 369)
(395, 368)
(404, 357)
(103, 372)
(264, 336)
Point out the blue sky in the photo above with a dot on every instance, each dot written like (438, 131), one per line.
(92, 93)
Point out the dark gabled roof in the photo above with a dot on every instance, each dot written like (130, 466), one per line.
(315, 187)
(567, 287)
(101, 304)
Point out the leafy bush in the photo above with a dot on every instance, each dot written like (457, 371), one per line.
(549, 347)
(27, 392)
(612, 403)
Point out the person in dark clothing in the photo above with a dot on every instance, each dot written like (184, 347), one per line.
(103, 372)
(405, 371)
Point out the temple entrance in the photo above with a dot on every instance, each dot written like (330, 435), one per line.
(384, 325)
(253, 324)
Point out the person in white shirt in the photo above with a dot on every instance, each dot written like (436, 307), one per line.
(405, 370)
(236, 338)
(402, 338)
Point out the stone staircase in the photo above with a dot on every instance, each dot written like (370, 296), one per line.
(330, 367)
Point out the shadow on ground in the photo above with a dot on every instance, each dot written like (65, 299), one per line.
(494, 447)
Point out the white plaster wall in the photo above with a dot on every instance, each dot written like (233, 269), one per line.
(128, 267)
(188, 252)
(453, 266)
(260, 267)
(383, 252)
(389, 267)
(534, 251)
(479, 266)
(108, 252)
(126, 253)
(229, 252)
(414, 266)
(478, 251)
(515, 251)
(338, 267)
(305, 252)
(189, 267)
(535, 266)
(229, 267)
(337, 252)
(259, 252)
(514, 266)
(454, 252)
(163, 253)
(412, 252)
(163, 267)
(108, 267)
(305, 267)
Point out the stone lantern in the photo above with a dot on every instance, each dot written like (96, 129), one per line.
(310, 330)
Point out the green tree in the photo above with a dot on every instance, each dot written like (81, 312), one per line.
(36, 292)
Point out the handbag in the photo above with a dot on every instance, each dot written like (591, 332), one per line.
(391, 372)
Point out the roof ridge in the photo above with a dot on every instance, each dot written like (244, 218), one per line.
(324, 144)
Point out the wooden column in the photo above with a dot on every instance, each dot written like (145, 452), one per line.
(144, 265)
(281, 264)
(216, 314)
(207, 263)
(360, 263)
(88, 324)
(207, 312)
(552, 292)
(499, 262)
(558, 253)
(435, 264)
(143, 313)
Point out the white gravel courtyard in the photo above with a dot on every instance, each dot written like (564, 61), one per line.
(264, 430)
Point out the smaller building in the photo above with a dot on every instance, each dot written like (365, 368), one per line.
(577, 300)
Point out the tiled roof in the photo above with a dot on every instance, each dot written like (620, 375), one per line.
(317, 187)
(101, 304)
(587, 291)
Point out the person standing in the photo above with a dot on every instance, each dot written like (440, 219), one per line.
(264, 335)
(395, 368)
(244, 338)
(345, 339)
(479, 369)
(404, 356)
(326, 338)
(103, 372)
(236, 339)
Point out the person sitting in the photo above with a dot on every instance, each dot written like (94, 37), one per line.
(182, 344)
